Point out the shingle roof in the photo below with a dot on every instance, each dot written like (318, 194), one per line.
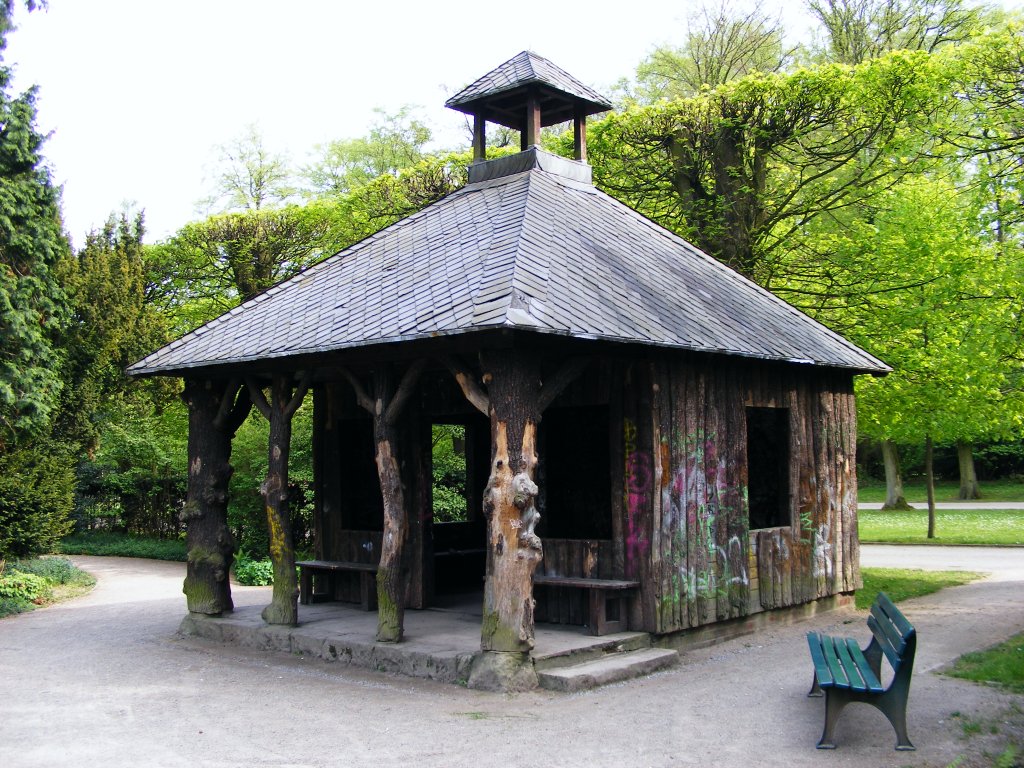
(537, 249)
(523, 69)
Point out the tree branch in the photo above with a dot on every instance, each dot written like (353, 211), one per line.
(562, 378)
(227, 399)
(258, 398)
(300, 393)
(403, 392)
(361, 397)
(467, 383)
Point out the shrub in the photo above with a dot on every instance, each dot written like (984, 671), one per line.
(124, 545)
(36, 490)
(253, 573)
(23, 586)
(56, 570)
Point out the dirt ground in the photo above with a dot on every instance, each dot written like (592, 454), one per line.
(105, 681)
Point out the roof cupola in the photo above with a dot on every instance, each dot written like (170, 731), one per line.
(527, 93)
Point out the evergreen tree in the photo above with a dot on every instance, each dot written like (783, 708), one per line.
(35, 494)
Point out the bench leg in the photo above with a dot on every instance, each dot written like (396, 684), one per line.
(894, 707)
(368, 591)
(815, 688)
(834, 703)
(305, 585)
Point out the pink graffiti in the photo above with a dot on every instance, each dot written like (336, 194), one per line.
(639, 480)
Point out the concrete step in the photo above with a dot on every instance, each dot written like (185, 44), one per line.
(611, 668)
(594, 648)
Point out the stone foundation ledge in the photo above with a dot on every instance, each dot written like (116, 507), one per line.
(400, 658)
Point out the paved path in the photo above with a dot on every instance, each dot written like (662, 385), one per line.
(104, 681)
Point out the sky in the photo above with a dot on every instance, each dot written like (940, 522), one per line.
(136, 95)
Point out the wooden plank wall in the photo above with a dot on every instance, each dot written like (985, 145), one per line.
(684, 490)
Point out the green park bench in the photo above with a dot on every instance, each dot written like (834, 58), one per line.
(845, 673)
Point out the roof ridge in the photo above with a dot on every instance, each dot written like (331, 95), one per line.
(489, 302)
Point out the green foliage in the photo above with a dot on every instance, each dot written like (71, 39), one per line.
(249, 176)
(136, 480)
(720, 45)
(903, 584)
(124, 545)
(982, 527)
(253, 573)
(32, 304)
(395, 142)
(18, 585)
(858, 30)
(24, 584)
(1001, 665)
(55, 570)
(448, 487)
(36, 492)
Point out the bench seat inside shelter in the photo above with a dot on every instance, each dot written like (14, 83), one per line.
(329, 570)
(606, 599)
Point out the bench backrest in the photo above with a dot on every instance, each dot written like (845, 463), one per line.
(894, 634)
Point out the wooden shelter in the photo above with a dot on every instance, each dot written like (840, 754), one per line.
(643, 425)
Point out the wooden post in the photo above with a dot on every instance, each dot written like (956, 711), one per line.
(580, 135)
(283, 608)
(385, 407)
(531, 127)
(479, 137)
(214, 415)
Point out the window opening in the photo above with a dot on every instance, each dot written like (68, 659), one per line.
(768, 467)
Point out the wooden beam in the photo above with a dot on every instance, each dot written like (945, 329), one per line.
(479, 137)
(467, 383)
(562, 378)
(580, 136)
(531, 135)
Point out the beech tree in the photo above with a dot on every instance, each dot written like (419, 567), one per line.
(858, 30)
(742, 169)
(722, 43)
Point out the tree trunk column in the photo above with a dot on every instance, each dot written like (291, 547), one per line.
(514, 550)
(211, 547)
(283, 608)
(390, 576)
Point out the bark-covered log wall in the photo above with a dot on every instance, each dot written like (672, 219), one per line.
(684, 489)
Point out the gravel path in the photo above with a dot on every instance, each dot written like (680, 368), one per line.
(104, 681)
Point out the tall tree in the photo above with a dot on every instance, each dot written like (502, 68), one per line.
(742, 169)
(35, 474)
(721, 44)
(858, 30)
(248, 176)
(394, 142)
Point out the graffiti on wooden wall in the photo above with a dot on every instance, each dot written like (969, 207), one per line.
(639, 479)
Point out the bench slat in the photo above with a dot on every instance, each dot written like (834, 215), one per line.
(821, 669)
(853, 672)
(336, 565)
(838, 673)
(886, 625)
(883, 638)
(866, 673)
(584, 583)
(904, 627)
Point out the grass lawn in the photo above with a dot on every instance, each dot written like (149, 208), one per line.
(993, 527)
(869, 490)
(1002, 665)
(903, 584)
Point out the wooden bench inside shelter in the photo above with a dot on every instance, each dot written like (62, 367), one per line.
(846, 673)
(606, 599)
(329, 570)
